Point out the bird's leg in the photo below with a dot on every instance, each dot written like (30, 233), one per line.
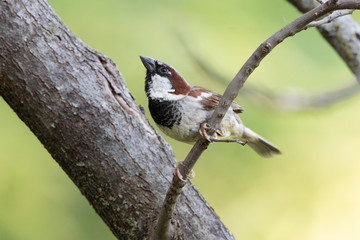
(204, 127)
(179, 175)
(229, 141)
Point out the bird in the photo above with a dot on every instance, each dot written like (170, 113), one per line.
(181, 110)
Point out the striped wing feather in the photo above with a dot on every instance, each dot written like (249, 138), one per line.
(210, 102)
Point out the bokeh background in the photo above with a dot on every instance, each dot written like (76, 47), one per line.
(311, 192)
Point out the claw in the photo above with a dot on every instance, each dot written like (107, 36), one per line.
(191, 174)
(179, 175)
(203, 128)
(203, 132)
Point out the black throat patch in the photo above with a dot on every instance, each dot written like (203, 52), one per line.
(165, 113)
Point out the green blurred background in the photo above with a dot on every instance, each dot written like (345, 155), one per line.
(312, 191)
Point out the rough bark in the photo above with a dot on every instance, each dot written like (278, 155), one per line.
(77, 104)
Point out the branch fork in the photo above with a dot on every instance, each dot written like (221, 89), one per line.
(330, 18)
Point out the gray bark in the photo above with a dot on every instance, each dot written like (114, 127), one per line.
(77, 104)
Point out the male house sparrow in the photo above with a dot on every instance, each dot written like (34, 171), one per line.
(181, 110)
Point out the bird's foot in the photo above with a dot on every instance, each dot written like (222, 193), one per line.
(203, 132)
(179, 175)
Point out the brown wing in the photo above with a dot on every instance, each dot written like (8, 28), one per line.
(211, 102)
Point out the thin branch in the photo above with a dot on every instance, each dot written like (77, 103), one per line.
(330, 18)
(166, 212)
(283, 101)
(228, 141)
(262, 51)
(342, 34)
(231, 93)
(299, 102)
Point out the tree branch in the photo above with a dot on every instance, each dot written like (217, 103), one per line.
(231, 93)
(343, 34)
(330, 18)
(76, 102)
(297, 100)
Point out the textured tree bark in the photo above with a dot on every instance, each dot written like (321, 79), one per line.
(77, 104)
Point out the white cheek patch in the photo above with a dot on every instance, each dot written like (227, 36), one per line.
(162, 88)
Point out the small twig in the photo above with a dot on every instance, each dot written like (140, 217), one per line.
(330, 18)
(231, 92)
(291, 101)
(340, 34)
(229, 141)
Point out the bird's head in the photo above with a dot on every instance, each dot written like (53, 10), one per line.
(163, 81)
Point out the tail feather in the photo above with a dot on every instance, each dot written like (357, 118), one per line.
(260, 145)
(264, 148)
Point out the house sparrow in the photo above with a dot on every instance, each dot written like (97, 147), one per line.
(181, 110)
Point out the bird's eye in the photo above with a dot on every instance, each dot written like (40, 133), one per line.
(163, 70)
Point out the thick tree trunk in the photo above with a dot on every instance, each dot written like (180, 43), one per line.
(76, 102)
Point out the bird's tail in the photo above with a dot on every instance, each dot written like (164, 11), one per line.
(259, 144)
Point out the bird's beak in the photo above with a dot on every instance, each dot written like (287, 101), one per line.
(149, 63)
